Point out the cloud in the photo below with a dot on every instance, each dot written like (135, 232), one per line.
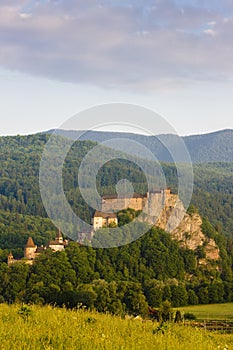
(210, 32)
(123, 44)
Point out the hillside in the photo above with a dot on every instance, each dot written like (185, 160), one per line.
(19, 189)
(90, 330)
(154, 267)
(206, 148)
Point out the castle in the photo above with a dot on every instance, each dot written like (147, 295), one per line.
(166, 211)
(184, 228)
(151, 202)
(102, 219)
(31, 251)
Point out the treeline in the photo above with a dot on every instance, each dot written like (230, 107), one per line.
(126, 279)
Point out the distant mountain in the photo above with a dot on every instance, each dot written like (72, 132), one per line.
(206, 148)
(213, 147)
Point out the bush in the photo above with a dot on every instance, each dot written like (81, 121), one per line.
(189, 316)
(178, 317)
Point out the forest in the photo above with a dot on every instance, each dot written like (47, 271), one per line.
(118, 280)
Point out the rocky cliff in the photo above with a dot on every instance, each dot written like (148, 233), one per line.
(166, 211)
(187, 229)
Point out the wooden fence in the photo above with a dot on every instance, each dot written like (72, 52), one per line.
(217, 326)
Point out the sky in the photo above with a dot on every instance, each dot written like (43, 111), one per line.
(60, 57)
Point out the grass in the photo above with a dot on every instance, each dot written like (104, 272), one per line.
(49, 328)
(211, 312)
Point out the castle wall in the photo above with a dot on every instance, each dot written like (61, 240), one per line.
(150, 202)
(99, 222)
(117, 204)
(30, 252)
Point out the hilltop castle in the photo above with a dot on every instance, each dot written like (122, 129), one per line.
(31, 251)
(151, 202)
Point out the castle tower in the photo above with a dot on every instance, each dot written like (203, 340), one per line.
(10, 259)
(30, 249)
(59, 237)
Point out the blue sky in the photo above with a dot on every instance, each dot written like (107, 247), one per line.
(60, 57)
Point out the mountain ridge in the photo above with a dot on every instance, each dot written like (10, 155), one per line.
(203, 148)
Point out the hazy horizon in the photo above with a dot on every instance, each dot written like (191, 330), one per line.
(117, 131)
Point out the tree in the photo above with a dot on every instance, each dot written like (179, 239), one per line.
(203, 295)
(178, 317)
(154, 292)
(179, 296)
(165, 311)
(134, 300)
(192, 297)
(15, 288)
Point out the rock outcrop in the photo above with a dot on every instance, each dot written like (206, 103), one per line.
(166, 211)
(186, 229)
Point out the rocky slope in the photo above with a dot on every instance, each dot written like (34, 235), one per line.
(187, 229)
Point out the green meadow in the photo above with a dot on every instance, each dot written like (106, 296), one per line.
(211, 311)
(50, 328)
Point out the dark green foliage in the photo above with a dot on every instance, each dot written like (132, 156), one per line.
(208, 229)
(126, 216)
(203, 294)
(200, 251)
(165, 311)
(189, 316)
(19, 188)
(213, 194)
(16, 228)
(192, 210)
(162, 328)
(192, 297)
(118, 280)
(76, 298)
(178, 317)
(25, 312)
(154, 292)
(179, 296)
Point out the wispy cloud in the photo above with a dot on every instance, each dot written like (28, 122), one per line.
(124, 44)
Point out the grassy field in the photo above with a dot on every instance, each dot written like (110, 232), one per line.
(48, 328)
(211, 312)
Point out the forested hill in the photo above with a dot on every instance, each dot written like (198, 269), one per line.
(19, 189)
(213, 147)
(151, 269)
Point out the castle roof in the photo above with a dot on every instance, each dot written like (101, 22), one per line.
(100, 214)
(40, 250)
(10, 255)
(30, 243)
(114, 196)
(55, 243)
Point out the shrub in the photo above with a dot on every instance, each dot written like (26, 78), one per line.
(189, 316)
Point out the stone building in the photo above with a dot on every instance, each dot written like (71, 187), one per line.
(152, 203)
(102, 219)
(58, 244)
(31, 251)
(113, 203)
